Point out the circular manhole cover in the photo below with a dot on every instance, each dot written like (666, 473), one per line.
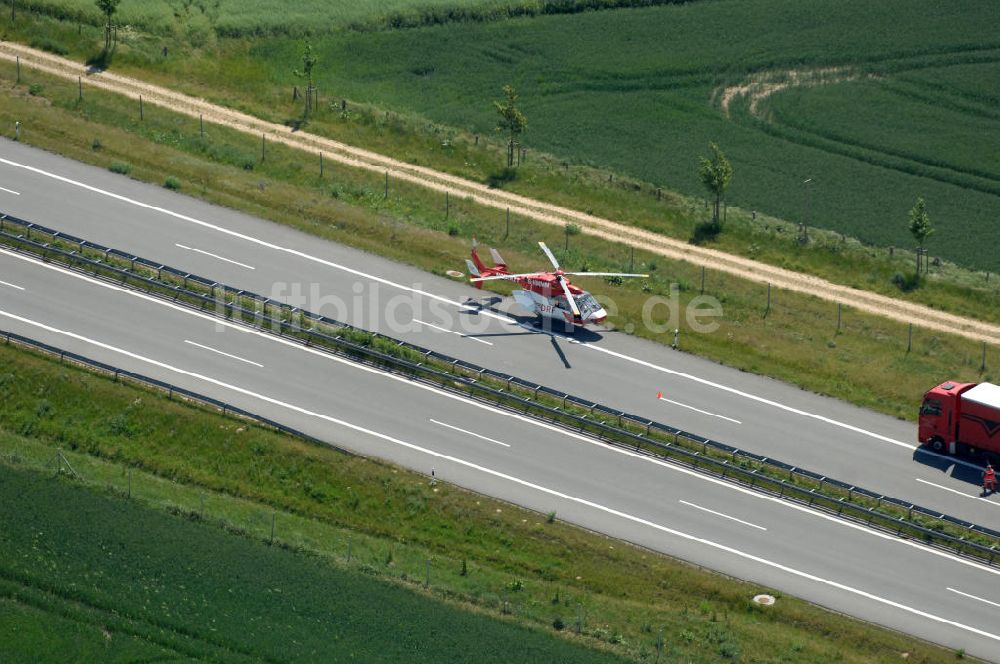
(764, 600)
(454, 274)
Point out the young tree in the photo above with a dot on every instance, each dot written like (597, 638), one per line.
(511, 120)
(716, 174)
(108, 8)
(309, 61)
(920, 226)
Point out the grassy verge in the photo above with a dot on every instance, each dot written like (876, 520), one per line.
(362, 515)
(252, 76)
(866, 361)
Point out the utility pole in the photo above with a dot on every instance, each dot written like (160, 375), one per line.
(807, 210)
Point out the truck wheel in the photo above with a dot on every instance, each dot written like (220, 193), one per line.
(937, 445)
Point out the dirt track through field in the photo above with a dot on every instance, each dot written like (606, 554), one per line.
(745, 268)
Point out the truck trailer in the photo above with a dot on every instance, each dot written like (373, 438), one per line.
(961, 418)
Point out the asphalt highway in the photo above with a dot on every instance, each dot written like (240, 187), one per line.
(751, 412)
(846, 567)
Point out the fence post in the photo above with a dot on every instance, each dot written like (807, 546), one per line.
(387, 184)
(263, 142)
(201, 125)
(79, 85)
(18, 58)
(447, 204)
(129, 483)
(427, 573)
(507, 233)
(839, 307)
(140, 108)
(274, 516)
(321, 164)
(982, 368)
(909, 339)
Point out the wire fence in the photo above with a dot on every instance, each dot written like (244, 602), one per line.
(499, 389)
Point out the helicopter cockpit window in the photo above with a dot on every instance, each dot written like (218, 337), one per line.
(587, 304)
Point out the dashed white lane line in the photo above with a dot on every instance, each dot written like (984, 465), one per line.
(216, 350)
(985, 601)
(699, 410)
(543, 425)
(724, 516)
(10, 191)
(537, 487)
(439, 298)
(221, 258)
(444, 329)
(470, 433)
(15, 286)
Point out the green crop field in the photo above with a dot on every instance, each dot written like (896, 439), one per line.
(876, 103)
(256, 17)
(639, 90)
(112, 581)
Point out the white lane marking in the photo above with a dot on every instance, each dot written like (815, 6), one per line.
(221, 258)
(550, 427)
(484, 312)
(704, 412)
(215, 350)
(944, 488)
(537, 487)
(476, 435)
(724, 516)
(251, 239)
(12, 285)
(986, 601)
(961, 493)
(10, 191)
(444, 329)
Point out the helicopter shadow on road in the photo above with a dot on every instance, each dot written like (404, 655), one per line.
(959, 469)
(532, 325)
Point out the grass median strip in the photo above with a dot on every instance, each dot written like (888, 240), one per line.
(361, 515)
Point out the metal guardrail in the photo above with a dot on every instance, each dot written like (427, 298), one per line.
(505, 390)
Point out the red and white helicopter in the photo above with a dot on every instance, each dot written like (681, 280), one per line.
(547, 294)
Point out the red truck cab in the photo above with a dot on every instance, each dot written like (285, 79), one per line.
(961, 417)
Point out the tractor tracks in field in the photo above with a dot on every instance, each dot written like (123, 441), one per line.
(612, 231)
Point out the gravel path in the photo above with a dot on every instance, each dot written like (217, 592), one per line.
(745, 268)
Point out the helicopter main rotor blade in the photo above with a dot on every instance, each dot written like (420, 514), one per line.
(606, 274)
(503, 276)
(569, 298)
(548, 253)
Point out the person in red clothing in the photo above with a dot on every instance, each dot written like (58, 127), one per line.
(989, 479)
